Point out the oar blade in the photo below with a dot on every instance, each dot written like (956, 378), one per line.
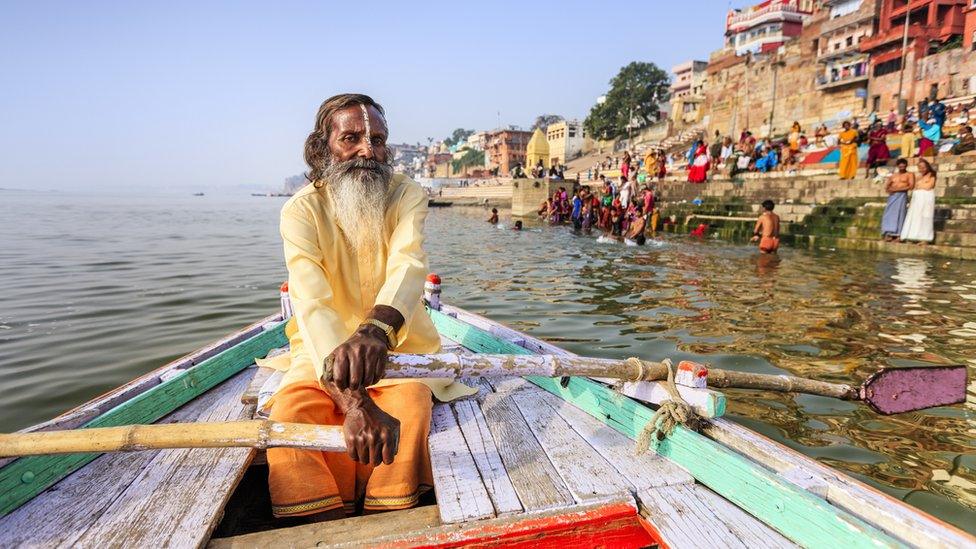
(897, 390)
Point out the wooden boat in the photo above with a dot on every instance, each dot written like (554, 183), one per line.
(438, 203)
(527, 462)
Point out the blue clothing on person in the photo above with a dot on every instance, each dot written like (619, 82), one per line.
(767, 162)
(932, 132)
(577, 207)
(894, 214)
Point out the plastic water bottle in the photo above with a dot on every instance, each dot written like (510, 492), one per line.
(432, 291)
(286, 311)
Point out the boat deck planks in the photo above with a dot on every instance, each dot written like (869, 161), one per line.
(141, 499)
(694, 516)
(461, 493)
(486, 457)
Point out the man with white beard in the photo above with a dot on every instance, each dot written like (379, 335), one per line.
(353, 242)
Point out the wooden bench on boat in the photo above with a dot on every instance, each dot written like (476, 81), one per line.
(526, 460)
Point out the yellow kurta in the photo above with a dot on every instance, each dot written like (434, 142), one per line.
(332, 289)
(847, 168)
(907, 149)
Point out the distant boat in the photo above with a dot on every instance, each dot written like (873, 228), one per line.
(197, 194)
(437, 204)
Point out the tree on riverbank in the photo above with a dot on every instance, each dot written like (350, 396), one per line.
(632, 103)
(458, 136)
(544, 120)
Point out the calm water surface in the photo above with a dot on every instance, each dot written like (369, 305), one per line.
(96, 290)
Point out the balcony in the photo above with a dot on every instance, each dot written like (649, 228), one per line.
(824, 83)
(845, 51)
(771, 13)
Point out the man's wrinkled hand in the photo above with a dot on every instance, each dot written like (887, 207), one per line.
(372, 436)
(360, 361)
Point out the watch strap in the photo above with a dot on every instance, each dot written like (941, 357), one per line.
(391, 339)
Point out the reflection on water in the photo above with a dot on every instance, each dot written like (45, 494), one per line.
(97, 290)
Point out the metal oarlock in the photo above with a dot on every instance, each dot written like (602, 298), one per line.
(432, 291)
(286, 311)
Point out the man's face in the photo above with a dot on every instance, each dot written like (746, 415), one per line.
(348, 137)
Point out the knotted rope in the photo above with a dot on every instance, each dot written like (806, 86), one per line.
(670, 414)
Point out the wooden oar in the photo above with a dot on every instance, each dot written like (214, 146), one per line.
(130, 438)
(888, 391)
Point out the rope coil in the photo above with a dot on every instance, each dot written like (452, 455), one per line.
(670, 414)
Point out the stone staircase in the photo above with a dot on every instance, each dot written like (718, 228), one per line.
(820, 211)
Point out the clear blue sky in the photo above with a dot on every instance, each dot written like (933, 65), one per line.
(181, 95)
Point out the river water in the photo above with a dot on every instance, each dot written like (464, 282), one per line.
(96, 290)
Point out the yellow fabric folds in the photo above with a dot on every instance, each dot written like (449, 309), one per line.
(332, 288)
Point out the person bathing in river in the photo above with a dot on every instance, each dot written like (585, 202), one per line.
(766, 231)
(494, 216)
(897, 187)
(353, 246)
(518, 225)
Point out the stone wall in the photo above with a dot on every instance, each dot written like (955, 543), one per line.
(527, 194)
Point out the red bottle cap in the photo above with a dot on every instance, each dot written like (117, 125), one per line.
(284, 286)
(433, 278)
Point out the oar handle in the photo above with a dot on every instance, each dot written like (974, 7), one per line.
(258, 434)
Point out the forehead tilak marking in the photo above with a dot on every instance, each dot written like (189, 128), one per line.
(369, 131)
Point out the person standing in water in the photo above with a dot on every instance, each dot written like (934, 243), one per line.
(766, 231)
(920, 219)
(494, 216)
(897, 187)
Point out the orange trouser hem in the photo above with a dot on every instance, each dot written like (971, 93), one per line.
(304, 482)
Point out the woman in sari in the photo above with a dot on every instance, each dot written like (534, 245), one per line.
(698, 171)
(847, 168)
(878, 152)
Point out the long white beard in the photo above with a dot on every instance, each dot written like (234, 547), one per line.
(359, 205)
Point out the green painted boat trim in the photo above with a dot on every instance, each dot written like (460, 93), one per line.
(27, 477)
(795, 513)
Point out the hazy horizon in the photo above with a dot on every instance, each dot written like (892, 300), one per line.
(190, 97)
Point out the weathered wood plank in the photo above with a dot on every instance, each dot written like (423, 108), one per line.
(534, 478)
(792, 511)
(59, 516)
(648, 470)
(261, 375)
(420, 527)
(178, 499)
(146, 407)
(693, 516)
(586, 473)
(486, 457)
(461, 494)
(845, 492)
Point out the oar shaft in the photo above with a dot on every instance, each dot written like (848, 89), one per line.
(244, 434)
(453, 365)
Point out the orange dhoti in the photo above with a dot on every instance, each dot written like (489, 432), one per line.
(769, 244)
(304, 482)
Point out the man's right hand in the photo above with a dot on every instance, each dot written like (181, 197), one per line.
(372, 436)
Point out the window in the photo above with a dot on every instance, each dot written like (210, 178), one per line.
(850, 40)
(887, 67)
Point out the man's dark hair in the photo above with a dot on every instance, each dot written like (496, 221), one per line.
(768, 205)
(901, 162)
(317, 142)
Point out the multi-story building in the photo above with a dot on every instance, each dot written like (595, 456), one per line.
(477, 141)
(930, 24)
(843, 78)
(766, 26)
(565, 140)
(687, 91)
(505, 148)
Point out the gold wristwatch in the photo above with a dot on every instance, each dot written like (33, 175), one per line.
(391, 339)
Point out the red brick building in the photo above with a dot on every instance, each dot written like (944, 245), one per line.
(969, 26)
(931, 23)
(505, 148)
